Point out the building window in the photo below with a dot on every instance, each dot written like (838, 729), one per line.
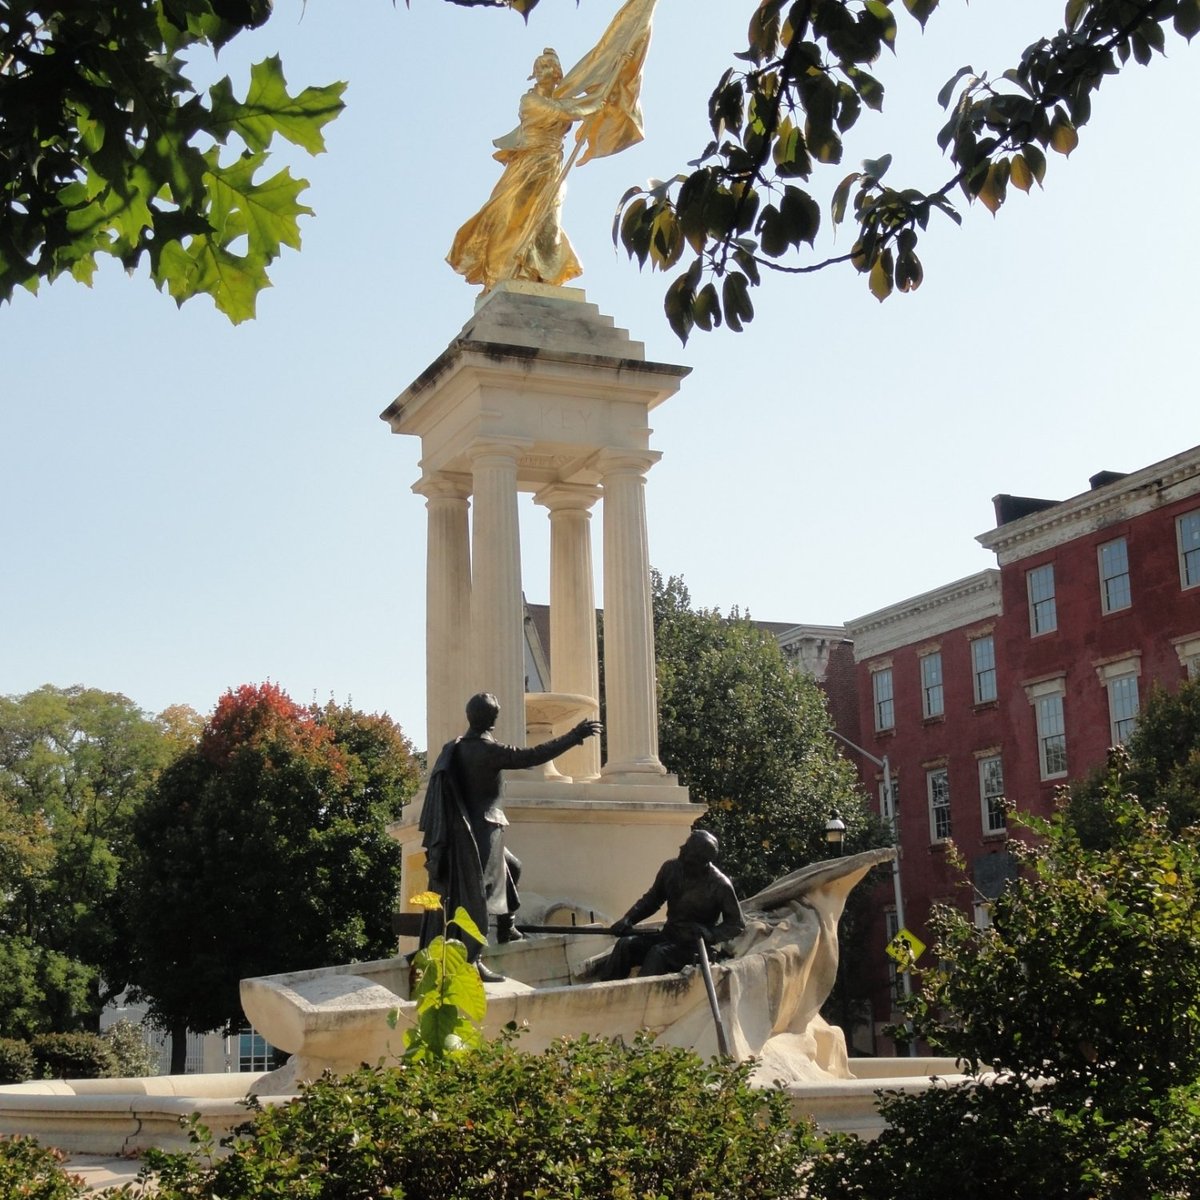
(889, 807)
(1114, 576)
(991, 794)
(1188, 527)
(938, 783)
(255, 1053)
(892, 925)
(1122, 707)
(885, 709)
(1052, 736)
(983, 914)
(983, 667)
(933, 702)
(1043, 616)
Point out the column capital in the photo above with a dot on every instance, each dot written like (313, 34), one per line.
(498, 449)
(626, 462)
(443, 485)
(567, 497)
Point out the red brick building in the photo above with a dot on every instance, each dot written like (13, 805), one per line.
(998, 688)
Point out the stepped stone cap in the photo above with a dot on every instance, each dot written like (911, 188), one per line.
(518, 321)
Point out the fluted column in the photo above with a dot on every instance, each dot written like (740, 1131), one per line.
(497, 614)
(447, 606)
(629, 683)
(573, 664)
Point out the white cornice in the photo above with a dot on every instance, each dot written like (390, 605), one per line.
(1141, 492)
(976, 598)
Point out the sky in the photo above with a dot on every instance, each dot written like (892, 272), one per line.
(188, 506)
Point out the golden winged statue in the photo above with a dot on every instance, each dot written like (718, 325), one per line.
(518, 233)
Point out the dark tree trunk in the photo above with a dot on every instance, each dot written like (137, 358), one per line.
(178, 1047)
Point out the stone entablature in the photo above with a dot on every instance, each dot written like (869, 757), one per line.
(808, 647)
(953, 606)
(1141, 492)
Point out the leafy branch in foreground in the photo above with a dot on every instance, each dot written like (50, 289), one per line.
(776, 121)
(106, 148)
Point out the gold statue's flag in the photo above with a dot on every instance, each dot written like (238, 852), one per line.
(612, 70)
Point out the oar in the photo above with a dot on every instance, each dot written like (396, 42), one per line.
(593, 929)
(710, 987)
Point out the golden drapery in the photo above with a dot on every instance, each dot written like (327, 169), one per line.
(517, 234)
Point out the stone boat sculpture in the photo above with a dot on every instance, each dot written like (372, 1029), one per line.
(769, 992)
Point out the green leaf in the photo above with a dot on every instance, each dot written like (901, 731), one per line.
(886, 18)
(736, 300)
(677, 304)
(266, 212)
(880, 281)
(874, 169)
(841, 196)
(948, 87)
(1020, 174)
(1063, 137)
(921, 9)
(1036, 161)
(1075, 9)
(462, 921)
(268, 109)
(801, 215)
(1187, 19)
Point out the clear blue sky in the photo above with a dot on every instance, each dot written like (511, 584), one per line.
(188, 506)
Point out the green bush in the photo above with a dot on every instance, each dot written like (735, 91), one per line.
(73, 1056)
(31, 1172)
(586, 1118)
(16, 1061)
(134, 1057)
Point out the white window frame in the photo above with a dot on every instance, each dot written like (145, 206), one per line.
(890, 813)
(891, 928)
(1119, 678)
(1115, 593)
(1188, 649)
(982, 914)
(1043, 609)
(991, 800)
(937, 788)
(933, 690)
(883, 703)
(1047, 696)
(1187, 537)
(887, 811)
(985, 670)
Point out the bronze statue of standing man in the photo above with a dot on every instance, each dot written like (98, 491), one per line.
(463, 823)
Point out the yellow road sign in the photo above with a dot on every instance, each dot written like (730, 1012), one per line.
(905, 948)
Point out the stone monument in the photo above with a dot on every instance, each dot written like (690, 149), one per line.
(540, 393)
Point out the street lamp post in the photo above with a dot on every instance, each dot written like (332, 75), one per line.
(905, 976)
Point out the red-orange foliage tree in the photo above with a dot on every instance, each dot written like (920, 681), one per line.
(264, 849)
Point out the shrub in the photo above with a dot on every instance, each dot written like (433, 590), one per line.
(32, 1172)
(586, 1118)
(16, 1061)
(134, 1057)
(73, 1056)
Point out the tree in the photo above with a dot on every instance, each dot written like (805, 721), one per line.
(1085, 994)
(750, 737)
(264, 849)
(106, 148)
(801, 84)
(75, 764)
(1161, 765)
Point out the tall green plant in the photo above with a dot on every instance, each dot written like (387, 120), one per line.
(449, 995)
